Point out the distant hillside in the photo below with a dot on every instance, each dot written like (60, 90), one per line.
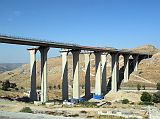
(146, 48)
(9, 66)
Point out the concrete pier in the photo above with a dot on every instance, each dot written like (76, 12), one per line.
(64, 77)
(98, 91)
(126, 67)
(33, 93)
(44, 91)
(115, 72)
(135, 62)
(87, 74)
(104, 82)
(76, 88)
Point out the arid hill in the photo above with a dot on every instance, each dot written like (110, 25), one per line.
(148, 71)
(9, 66)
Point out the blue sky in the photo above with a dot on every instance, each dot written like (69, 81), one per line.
(112, 23)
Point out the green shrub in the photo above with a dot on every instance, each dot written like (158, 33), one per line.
(59, 86)
(16, 89)
(6, 85)
(26, 110)
(125, 101)
(13, 85)
(83, 86)
(158, 86)
(144, 87)
(54, 86)
(156, 97)
(146, 97)
(50, 87)
(138, 87)
(38, 87)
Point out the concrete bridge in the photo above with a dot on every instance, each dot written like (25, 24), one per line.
(100, 66)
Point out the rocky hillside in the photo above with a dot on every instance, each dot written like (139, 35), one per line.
(9, 66)
(148, 70)
(146, 48)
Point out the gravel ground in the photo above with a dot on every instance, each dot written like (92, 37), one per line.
(19, 115)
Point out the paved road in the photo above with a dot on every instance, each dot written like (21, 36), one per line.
(19, 115)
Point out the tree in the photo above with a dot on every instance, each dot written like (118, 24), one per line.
(156, 97)
(6, 85)
(138, 87)
(146, 97)
(158, 86)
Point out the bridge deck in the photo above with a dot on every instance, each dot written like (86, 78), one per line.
(34, 42)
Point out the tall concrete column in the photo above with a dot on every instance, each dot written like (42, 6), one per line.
(104, 82)
(44, 91)
(87, 74)
(115, 72)
(98, 91)
(126, 68)
(76, 88)
(64, 77)
(135, 62)
(33, 93)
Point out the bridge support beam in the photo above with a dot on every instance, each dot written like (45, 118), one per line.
(76, 88)
(44, 91)
(135, 62)
(126, 68)
(115, 72)
(87, 75)
(98, 91)
(33, 92)
(64, 76)
(104, 82)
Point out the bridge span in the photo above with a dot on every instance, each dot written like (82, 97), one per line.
(100, 66)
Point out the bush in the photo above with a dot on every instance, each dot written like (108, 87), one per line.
(6, 85)
(50, 87)
(16, 89)
(144, 87)
(156, 97)
(88, 104)
(54, 86)
(13, 85)
(146, 97)
(138, 87)
(158, 86)
(38, 87)
(125, 101)
(146, 103)
(83, 86)
(26, 110)
(59, 86)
